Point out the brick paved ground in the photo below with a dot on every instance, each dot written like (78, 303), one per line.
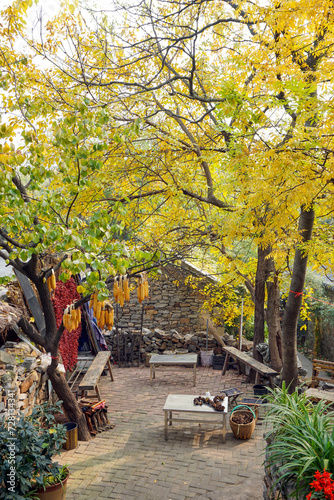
(133, 460)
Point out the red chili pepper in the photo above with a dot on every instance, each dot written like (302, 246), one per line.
(65, 294)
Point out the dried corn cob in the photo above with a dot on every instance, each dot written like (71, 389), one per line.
(98, 310)
(146, 288)
(126, 289)
(139, 294)
(53, 280)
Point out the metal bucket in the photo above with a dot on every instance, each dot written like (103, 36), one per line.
(206, 358)
(71, 436)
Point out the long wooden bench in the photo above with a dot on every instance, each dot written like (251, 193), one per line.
(318, 394)
(320, 365)
(94, 372)
(242, 357)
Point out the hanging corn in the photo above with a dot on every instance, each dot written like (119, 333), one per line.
(126, 288)
(53, 280)
(116, 289)
(121, 292)
(139, 295)
(146, 288)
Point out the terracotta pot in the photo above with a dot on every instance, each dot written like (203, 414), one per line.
(54, 491)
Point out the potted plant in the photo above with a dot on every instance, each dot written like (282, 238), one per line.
(28, 446)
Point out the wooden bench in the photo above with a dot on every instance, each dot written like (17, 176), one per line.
(242, 357)
(318, 394)
(318, 366)
(93, 374)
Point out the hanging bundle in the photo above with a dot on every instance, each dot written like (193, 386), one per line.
(51, 281)
(126, 288)
(121, 292)
(116, 289)
(145, 284)
(72, 317)
(109, 315)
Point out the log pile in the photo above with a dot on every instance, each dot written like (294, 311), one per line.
(21, 377)
(158, 341)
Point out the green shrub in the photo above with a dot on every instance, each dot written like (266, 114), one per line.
(301, 439)
(28, 445)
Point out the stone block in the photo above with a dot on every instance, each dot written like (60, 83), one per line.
(7, 358)
(28, 382)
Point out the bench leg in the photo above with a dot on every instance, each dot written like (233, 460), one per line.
(109, 368)
(225, 364)
(98, 393)
(195, 375)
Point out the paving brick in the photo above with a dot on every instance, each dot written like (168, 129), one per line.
(133, 461)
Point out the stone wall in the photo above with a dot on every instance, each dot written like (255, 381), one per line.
(171, 304)
(20, 375)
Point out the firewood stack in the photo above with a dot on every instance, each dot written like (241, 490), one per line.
(96, 414)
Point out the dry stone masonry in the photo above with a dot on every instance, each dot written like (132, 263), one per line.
(171, 304)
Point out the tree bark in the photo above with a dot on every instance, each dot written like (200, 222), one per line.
(260, 290)
(70, 404)
(50, 342)
(259, 297)
(291, 311)
(273, 317)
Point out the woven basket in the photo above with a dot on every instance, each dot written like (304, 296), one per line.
(242, 431)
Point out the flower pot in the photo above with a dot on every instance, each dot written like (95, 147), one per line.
(54, 491)
(206, 358)
(240, 430)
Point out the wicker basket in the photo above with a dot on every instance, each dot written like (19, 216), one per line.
(242, 431)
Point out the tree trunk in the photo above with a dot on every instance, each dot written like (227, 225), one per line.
(70, 404)
(50, 343)
(259, 295)
(291, 311)
(260, 290)
(273, 318)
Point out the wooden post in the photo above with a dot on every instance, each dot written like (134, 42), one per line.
(241, 322)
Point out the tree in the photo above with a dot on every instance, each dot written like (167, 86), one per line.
(235, 113)
(52, 196)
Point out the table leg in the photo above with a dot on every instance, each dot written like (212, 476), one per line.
(170, 418)
(195, 374)
(153, 371)
(257, 378)
(151, 374)
(224, 427)
(166, 425)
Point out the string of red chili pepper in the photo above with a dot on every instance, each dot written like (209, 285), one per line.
(65, 294)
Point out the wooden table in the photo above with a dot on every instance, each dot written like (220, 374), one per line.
(244, 358)
(184, 403)
(173, 360)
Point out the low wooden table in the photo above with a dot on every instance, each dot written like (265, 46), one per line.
(173, 360)
(184, 403)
